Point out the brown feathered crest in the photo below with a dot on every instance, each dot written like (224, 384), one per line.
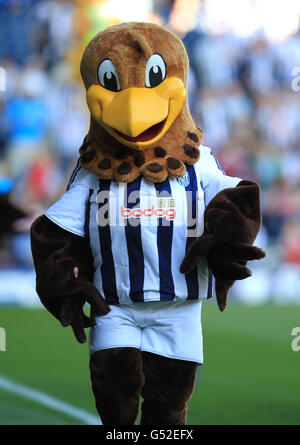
(129, 47)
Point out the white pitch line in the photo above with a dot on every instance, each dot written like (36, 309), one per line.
(49, 401)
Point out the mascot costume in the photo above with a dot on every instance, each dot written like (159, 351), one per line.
(147, 219)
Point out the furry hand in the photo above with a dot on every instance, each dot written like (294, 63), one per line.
(64, 271)
(66, 301)
(231, 222)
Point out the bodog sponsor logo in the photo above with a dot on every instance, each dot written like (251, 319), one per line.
(169, 214)
(164, 208)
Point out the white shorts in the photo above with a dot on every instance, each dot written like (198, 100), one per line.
(171, 329)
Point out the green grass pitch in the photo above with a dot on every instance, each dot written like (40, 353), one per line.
(250, 375)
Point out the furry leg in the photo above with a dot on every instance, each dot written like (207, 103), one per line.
(117, 378)
(169, 384)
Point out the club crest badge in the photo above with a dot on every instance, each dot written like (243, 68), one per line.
(184, 180)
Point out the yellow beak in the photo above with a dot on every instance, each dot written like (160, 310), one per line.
(137, 117)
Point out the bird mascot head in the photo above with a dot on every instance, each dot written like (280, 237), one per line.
(135, 75)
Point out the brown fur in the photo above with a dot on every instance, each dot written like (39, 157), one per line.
(120, 375)
(129, 57)
(55, 254)
(232, 221)
(129, 46)
(117, 379)
(169, 384)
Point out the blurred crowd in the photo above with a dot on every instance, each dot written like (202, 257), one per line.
(240, 92)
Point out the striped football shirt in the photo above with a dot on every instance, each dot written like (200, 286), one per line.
(139, 232)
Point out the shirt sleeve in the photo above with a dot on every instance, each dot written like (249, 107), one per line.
(69, 212)
(82, 176)
(212, 177)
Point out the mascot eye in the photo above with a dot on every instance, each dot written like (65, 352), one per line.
(155, 71)
(108, 76)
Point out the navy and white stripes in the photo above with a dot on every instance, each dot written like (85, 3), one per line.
(139, 232)
(73, 174)
(134, 243)
(142, 230)
(107, 265)
(165, 231)
(191, 191)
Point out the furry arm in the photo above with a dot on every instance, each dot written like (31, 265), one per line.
(231, 223)
(64, 272)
